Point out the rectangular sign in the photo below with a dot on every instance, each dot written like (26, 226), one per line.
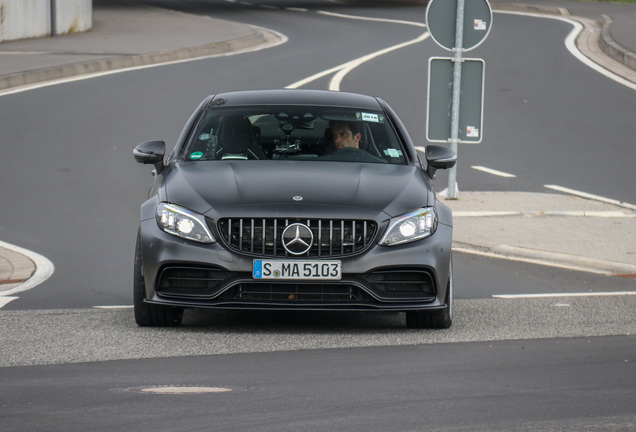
(299, 270)
(440, 98)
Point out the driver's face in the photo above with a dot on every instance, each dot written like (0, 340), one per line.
(343, 137)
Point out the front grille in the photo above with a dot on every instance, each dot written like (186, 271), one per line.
(296, 292)
(194, 281)
(332, 237)
(409, 283)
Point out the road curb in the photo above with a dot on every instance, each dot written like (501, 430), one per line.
(551, 259)
(257, 38)
(613, 49)
(600, 28)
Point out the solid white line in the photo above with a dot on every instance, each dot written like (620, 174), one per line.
(343, 69)
(336, 81)
(592, 197)
(114, 307)
(560, 295)
(43, 269)
(4, 300)
(384, 20)
(492, 171)
(281, 39)
(580, 213)
(570, 44)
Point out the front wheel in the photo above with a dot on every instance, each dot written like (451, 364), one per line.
(436, 319)
(146, 314)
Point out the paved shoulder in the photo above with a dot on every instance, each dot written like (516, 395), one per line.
(126, 35)
(550, 229)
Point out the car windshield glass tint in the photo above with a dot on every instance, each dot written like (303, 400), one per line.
(295, 132)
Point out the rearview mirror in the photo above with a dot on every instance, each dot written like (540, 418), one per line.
(439, 157)
(151, 152)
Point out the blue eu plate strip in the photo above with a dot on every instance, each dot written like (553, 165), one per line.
(258, 269)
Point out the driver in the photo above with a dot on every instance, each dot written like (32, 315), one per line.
(346, 134)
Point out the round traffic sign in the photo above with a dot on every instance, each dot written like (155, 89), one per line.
(441, 20)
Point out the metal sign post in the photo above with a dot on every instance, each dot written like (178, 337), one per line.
(453, 192)
(467, 34)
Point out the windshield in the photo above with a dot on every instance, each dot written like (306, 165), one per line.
(295, 132)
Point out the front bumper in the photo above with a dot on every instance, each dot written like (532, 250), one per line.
(183, 273)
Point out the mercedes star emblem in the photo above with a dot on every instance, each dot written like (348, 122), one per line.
(297, 239)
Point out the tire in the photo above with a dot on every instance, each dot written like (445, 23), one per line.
(146, 314)
(436, 319)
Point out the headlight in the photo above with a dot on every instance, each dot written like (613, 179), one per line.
(183, 223)
(410, 227)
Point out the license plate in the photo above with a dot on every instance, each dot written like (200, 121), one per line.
(299, 270)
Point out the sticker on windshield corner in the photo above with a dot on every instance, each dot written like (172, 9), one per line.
(370, 117)
(393, 153)
(196, 155)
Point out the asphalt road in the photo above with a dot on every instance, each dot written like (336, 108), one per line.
(500, 386)
(75, 196)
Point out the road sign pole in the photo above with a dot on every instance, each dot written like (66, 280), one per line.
(453, 192)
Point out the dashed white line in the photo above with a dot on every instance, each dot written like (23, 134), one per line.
(492, 171)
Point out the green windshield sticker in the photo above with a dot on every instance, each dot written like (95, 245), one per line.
(393, 153)
(196, 155)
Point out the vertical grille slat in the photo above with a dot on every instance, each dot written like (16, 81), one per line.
(263, 236)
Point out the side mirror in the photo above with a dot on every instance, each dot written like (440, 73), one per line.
(151, 152)
(439, 157)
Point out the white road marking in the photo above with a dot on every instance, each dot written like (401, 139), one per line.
(345, 68)
(280, 39)
(114, 307)
(574, 213)
(385, 20)
(591, 197)
(4, 300)
(570, 44)
(43, 270)
(561, 295)
(492, 171)
(336, 81)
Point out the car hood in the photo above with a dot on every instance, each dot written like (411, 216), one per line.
(205, 185)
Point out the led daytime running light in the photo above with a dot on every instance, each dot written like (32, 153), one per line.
(410, 227)
(183, 223)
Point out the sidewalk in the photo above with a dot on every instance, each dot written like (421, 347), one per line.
(124, 34)
(548, 229)
(544, 228)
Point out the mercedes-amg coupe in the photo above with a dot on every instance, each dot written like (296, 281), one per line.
(294, 200)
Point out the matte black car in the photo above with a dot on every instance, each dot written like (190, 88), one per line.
(258, 207)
